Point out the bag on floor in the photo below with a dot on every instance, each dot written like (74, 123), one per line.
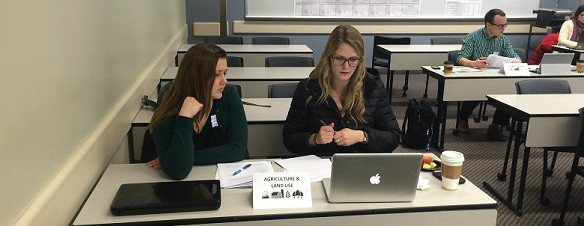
(417, 127)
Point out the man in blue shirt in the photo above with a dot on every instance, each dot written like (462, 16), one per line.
(476, 46)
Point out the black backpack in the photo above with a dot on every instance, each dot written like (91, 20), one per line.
(417, 128)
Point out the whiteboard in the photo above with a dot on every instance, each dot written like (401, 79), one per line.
(385, 9)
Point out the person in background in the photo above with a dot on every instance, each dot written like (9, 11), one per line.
(476, 46)
(544, 47)
(201, 120)
(572, 29)
(340, 108)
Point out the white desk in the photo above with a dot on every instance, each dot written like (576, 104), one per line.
(412, 57)
(254, 54)
(466, 206)
(264, 128)
(474, 86)
(552, 121)
(254, 81)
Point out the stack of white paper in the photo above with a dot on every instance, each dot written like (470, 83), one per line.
(496, 61)
(244, 177)
(317, 167)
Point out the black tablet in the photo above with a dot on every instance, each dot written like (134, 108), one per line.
(166, 197)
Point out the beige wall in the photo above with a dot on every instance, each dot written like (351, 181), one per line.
(72, 73)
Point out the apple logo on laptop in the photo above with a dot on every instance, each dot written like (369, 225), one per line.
(375, 179)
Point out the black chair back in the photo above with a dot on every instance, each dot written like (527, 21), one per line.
(271, 40)
(224, 39)
(282, 90)
(445, 40)
(521, 53)
(452, 55)
(380, 58)
(289, 61)
(233, 61)
(543, 86)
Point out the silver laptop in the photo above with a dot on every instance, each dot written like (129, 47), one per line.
(556, 63)
(373, 177)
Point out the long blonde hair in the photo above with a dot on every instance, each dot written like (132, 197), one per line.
(194, 78)
(354, 102)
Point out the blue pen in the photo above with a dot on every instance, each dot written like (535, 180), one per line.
(242, 169)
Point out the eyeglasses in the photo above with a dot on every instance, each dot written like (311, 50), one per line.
(353, 61)
(499, 25)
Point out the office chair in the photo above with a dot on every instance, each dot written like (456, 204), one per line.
(289, 61)
(282, 90)
(383, 60)
(540, 86)
(521, 53)
(575, 170)
(224, 39)
(233, 61)
(271, 40)
(445, 40)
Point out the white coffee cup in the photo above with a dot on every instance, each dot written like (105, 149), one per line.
(451, 169)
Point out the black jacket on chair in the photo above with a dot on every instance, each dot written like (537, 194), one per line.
(303, 120)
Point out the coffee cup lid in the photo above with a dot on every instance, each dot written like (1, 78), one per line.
(452, 156)
(580, 61)
(448, 62)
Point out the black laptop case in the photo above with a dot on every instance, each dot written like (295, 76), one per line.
(166, 197)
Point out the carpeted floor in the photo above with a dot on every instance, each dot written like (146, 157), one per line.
(484, 159)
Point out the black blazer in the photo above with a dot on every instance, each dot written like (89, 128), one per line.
(304, 120)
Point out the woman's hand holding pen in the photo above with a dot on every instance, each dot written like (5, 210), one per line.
(190, 107)
(325, 134)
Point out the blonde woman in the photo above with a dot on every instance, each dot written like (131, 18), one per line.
(201, 120)
(340, 108)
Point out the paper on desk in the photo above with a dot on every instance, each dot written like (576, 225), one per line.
(245, 177)
(317, 167)
(496, 61)
(465, 69)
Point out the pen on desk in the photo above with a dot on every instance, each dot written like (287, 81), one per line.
(242, 169)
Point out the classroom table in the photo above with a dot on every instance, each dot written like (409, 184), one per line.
(412, 57)
(254, 81)
(474, 86)
(254, 54)
(466, 206)
(262, 122)
(552, 121)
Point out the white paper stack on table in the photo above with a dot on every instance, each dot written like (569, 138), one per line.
(244, 177)
(496, 61)
(317, 167)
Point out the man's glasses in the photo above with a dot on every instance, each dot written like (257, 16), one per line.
(353, 61)
(499, 25)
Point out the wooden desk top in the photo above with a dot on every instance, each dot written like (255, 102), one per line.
(541, 105)
(420, 48)
(255, 73)
(255, 48)
(237, 204)
(255, 114)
